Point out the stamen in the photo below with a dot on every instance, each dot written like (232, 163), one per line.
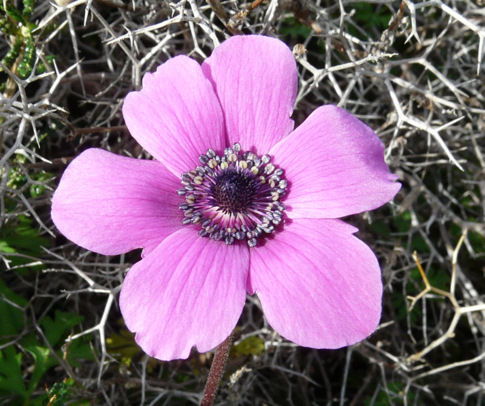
(234, 197)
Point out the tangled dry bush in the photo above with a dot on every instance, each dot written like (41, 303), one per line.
(412, 71)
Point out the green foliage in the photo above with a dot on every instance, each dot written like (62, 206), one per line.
(27, 61)
(41, 68)
(369, 17)
(294, 29)
(14, 23)
(392, 395)
(22, 237)
(60, 393)
(400, 307)
(17, 179)
(11, 380)
(55, 329)
(11, 313)
(11, 320)
(29, 6)
(15, 382)
(401, 224)
(43, 361)
(249, 346)
(14, 52)
(477, 241)
(33, 186)
(123, 346)
(438, 278)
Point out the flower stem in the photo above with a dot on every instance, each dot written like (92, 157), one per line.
(216, 371)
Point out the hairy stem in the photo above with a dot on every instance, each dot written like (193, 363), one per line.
(216, 371)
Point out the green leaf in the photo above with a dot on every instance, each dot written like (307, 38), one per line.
(394, 395)
(79, 349)
(403, 221)
(249, 346)
(477, 241)
(37, 190)
(54, 331)
(4, 247)
(63, 322)
(123, 346)
(11, 314)
(11, 380)
(43, 361)
(57, 330)
(62, 393)
(22, 237)
(381, 227)
(14, 13)
(295, 29)
(25, 238)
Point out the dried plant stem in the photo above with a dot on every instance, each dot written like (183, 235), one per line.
(216, 371)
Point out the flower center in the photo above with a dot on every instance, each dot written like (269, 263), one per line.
(233, 191)
(235, 196)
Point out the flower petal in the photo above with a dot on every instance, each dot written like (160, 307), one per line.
(188, 291)
(176, 116)
(256, 80)
(319, 286)
(335, 166)
(112, 204)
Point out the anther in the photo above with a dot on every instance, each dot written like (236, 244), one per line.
(269, 169)
(190, 199)
(210, 153)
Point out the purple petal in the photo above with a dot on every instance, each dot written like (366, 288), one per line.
(335, 166)
(256, 80)
(112, 204)
(176, 116)
(188, 291)
(319, 286)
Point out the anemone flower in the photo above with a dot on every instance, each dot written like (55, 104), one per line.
(236, 201)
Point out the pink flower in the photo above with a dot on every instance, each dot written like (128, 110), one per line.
(257, 210)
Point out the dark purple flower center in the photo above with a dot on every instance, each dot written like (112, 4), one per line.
(235, 196)
(233, 191)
